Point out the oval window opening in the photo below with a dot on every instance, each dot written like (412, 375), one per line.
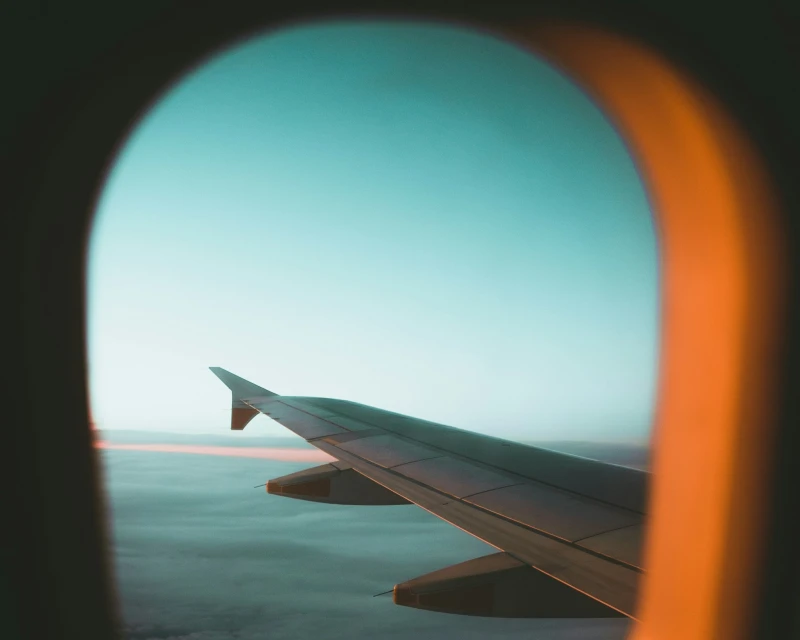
(416, 217)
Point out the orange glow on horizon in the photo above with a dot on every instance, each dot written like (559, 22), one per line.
(282, 454)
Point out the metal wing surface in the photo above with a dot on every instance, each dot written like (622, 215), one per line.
(568, 529)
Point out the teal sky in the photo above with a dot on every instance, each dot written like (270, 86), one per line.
(420, 218)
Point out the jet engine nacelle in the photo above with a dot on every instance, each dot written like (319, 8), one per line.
(331, 484)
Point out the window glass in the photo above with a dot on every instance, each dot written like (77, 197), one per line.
(421, 218)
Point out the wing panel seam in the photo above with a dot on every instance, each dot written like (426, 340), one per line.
(516, 523)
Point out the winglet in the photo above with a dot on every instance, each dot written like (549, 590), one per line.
(240, 388)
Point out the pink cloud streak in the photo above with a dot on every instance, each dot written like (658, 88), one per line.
(284, 454)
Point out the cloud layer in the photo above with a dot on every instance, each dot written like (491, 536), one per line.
(200, 555)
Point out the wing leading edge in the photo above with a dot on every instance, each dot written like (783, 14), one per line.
(569, 529)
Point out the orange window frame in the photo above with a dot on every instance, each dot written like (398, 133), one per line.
(721, 260)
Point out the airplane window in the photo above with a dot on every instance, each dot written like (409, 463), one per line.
(416, 217)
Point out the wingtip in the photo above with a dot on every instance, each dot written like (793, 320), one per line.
(240, 387)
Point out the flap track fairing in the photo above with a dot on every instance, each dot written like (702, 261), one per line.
(498, 585)
(327, 483)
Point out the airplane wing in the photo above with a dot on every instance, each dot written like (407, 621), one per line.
(568, 529)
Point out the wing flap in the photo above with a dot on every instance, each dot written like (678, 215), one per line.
(556, 512)
(623, 544)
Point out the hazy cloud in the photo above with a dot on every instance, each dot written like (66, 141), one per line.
(200, 555)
